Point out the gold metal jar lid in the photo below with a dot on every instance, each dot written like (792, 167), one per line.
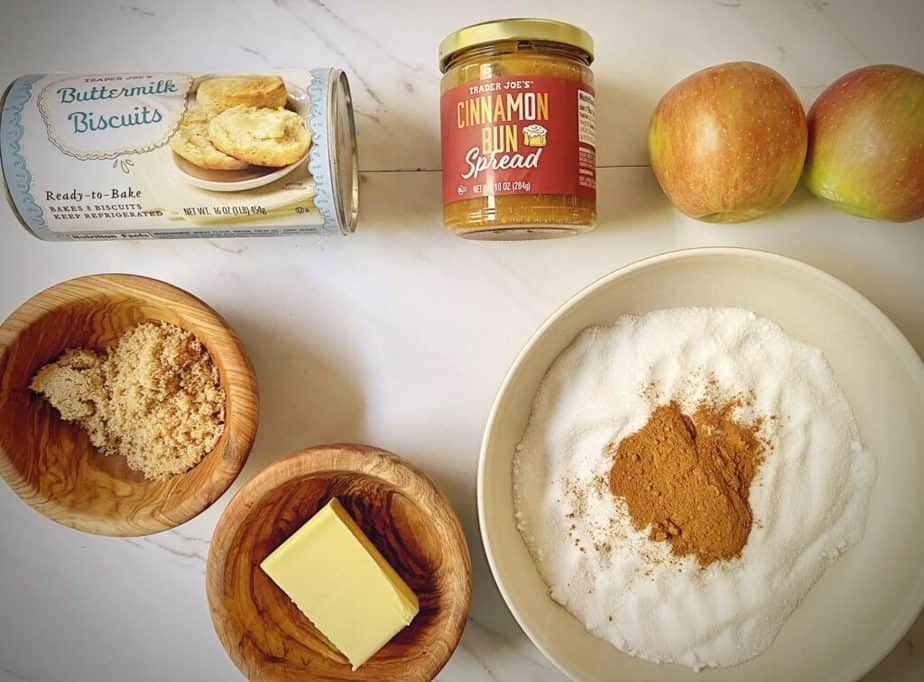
(515, 29)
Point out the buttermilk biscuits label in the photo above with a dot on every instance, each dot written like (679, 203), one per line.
(110, 116)
(518, 135)
(102, 156)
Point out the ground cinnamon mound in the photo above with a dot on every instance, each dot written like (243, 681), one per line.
(689, 478)
(154, 398)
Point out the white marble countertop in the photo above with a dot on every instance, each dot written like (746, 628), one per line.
(400, 334)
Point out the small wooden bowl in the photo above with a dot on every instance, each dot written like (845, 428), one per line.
(51, 464)
(404, 515)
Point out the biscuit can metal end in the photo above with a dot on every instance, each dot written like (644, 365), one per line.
(334, 162)
(179, 155)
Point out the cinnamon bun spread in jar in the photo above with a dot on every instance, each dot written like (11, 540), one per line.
(518, 135)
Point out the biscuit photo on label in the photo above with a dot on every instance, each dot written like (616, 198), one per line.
(220, 94)
(191, 141)
(262, 137)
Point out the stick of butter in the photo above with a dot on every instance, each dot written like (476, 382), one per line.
(342, 583)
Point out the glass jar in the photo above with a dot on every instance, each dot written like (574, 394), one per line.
(518, 136)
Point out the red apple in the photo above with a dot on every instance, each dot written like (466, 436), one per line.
(866, 143)
(727, 143)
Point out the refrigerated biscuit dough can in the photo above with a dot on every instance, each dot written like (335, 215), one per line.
(179, 155)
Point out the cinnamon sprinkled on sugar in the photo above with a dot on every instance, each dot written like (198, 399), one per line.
(688, 478)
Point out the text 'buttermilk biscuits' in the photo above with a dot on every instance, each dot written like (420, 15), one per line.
(219, 94)
(263, 137)
(191, 141)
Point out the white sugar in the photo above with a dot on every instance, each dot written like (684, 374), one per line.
(809, 497)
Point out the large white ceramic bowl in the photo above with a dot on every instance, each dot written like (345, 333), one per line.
(865, 602)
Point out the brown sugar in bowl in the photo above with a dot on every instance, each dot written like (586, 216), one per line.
(51, 464)
(403, 514)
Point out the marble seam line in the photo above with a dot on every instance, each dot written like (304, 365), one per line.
(440, 170)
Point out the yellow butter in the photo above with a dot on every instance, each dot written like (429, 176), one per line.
(342, 583)
(264, 125)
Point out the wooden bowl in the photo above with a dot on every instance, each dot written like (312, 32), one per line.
(404, 515)
(51, 464)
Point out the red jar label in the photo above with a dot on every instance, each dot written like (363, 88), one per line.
(518, 135)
